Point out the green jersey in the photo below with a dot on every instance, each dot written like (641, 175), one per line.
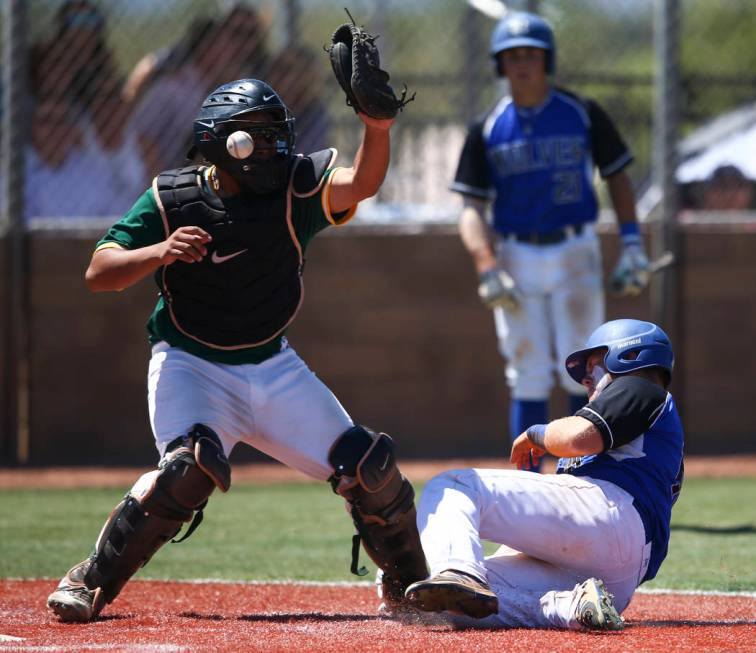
(142, 226)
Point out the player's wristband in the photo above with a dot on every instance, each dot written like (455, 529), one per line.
(630, 234)
(537, 435)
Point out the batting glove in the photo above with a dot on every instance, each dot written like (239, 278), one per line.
(498, 289)
(631, 275)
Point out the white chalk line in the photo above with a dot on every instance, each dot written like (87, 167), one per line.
(122, 648)
(370, 583)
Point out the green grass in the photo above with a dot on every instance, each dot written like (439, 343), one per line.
(713, 542)
(254, 532)
(302, 531)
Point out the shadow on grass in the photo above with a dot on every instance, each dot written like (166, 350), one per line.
(715, 530)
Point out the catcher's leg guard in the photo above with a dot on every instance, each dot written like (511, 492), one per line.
(148, 516)
(382, 505)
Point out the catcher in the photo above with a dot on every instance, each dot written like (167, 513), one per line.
(225, 241)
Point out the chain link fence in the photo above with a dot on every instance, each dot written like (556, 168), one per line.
(97, 96)
(111, 86)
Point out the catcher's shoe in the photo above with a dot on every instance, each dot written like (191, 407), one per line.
(73, 600)
(455, 592)
(403, 612)
(595, 609)
(393, 604)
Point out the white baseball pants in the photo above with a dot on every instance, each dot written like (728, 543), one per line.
(563, 303)
(556, 532)
(278, 406)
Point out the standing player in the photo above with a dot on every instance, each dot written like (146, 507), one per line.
(605, 514)
(225, 242)
(540, 266)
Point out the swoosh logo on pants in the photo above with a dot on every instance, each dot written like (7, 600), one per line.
(217, 258)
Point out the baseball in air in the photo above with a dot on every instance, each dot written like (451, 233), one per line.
(240, 145)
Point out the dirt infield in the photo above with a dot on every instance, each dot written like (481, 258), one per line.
(172, 617)
(68, 477)
(167, 617)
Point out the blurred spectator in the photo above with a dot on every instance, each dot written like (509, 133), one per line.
(728, 189)
(66, 174)
(297, 74)
(79, 135)
(54, 132)
(172, 89)
(69, 62)
(166, 60)
(76, 63)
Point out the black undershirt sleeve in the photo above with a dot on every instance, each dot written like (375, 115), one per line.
(610, 153)
(625, 409)
(472, 174)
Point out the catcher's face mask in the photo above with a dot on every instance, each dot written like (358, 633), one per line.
(265, 168)
(254, 108)
(268, 139)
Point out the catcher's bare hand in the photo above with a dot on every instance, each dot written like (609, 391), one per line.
(498, 289)
(186, 244)
(525, 454)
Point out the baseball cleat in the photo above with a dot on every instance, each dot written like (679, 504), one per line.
(595, 609)
(73, 601)
(455, 592)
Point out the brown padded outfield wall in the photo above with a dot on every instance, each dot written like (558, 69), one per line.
(392, 324)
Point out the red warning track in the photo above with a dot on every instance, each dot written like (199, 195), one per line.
(169, 617)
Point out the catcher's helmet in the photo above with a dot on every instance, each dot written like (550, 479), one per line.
(647, 341)
(520, 29)
(229, 108)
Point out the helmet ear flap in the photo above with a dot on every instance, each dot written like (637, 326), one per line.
(498, 65)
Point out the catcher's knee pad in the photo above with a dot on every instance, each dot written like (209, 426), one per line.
(154, 510)
(382, 505)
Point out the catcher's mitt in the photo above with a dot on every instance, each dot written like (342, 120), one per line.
(356, 64)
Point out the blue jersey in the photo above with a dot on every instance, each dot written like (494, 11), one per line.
(643, 440)
(537, 163)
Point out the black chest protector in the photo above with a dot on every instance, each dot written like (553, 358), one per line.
(248, 288)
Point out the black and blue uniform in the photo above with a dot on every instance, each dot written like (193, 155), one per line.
(643, 454)
(537, 163)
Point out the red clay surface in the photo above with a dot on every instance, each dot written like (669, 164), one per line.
(163, 617)
(168, 617)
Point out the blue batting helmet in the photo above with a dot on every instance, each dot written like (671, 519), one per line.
(647, 341)
(520, 29)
